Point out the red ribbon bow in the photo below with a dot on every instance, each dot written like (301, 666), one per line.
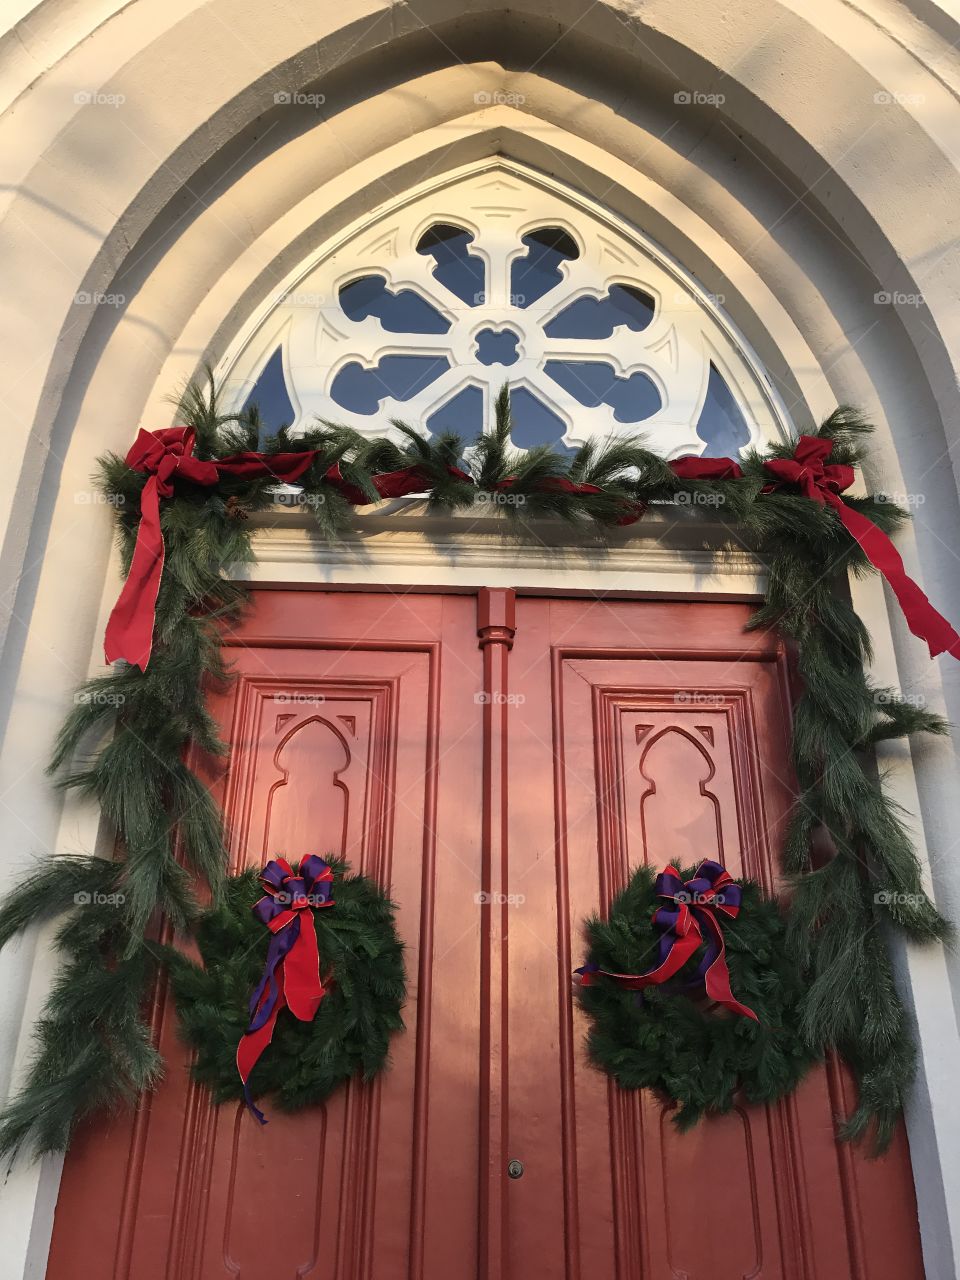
(823, 483)
(164, 456)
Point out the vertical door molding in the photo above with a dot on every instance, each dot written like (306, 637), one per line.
(496, 628)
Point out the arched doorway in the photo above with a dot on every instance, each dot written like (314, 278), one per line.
(198, 209)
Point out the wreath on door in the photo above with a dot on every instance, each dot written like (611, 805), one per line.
(352, 1015)
(663, 1018)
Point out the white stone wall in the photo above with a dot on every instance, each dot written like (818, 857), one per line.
(800, 158)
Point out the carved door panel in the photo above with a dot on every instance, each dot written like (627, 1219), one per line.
(607, 734)
(647, 732)
(352, 730)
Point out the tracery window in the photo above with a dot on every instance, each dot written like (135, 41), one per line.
(423, 310)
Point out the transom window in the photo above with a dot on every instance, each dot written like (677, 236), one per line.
(425, 310)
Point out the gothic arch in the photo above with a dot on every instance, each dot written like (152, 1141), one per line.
(153, 167)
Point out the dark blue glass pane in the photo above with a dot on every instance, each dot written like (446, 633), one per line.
(533, 423)
(598, 317)
(401, 312)
(271, 397)
(463, 414)
(539, 270)
(593, 383)
(361, 390)
(459, 270)
(497, 346)
(721, 424)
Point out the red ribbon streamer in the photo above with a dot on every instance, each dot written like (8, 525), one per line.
(168, 454)
(164, 456)
(389, 484)
(694, 468)
(823, 483)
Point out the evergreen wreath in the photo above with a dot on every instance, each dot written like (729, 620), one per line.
(663, 1039)
(350, 1033)
(132, 731)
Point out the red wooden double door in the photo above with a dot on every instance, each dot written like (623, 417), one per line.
(498, 765)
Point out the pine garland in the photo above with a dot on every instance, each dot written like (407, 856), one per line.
(306, 1061)
(134, 730)
(661, 1039)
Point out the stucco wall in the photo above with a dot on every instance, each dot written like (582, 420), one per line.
(147, 163)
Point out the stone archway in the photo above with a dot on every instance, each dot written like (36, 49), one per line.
(142, 233)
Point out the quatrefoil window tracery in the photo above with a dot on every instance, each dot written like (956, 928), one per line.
(424, 317)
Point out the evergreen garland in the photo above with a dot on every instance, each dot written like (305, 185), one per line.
(306, 1061)
(93, 1048)
(661, 1039)
(133, 730)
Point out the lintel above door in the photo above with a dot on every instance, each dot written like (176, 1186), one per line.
(671, 550)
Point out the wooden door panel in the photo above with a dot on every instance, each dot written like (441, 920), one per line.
(609, 734)
(660, 731)
(344, 739)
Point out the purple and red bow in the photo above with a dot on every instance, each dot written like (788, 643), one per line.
(689, 916)
(291, 975)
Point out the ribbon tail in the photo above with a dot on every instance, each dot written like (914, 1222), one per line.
(716, 978)
(252, 1106)
(678, 955)
(301, 972)
(922, 618)
(251, 1046)
(129, 632)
